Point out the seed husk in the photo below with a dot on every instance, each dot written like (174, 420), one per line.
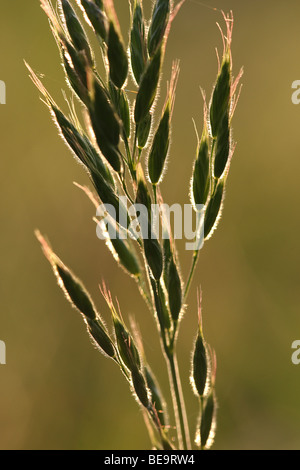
(221, 96)
(158, 25)
(126, 346)
(138, 47)
(81, 145)
(121, 103)
(117, 57)
(223, 147)
(153, 255)
(109, 197)
(97, 18)
(143, 131)
(105, 121)
(142, 193)
(76, 31)
(201, 173)
(101, 338)
(207, 419)
(160, 148)
(200, 365)
(160, 305)
(123, 252)
(148, 88)
(174, 290)
(140, 387)
(106, 125)
(213, 209)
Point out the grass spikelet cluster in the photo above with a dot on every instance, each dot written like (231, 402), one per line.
(123, 141)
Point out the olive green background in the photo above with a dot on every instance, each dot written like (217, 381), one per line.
(56, 390)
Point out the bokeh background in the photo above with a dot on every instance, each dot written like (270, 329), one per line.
(56, 390)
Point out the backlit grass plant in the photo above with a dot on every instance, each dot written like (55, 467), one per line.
(123, 147)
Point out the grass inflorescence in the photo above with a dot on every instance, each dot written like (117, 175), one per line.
(124, 149)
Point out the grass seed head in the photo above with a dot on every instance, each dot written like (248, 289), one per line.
(221, 97)
(162, 312)
(104, 117)
(213, 210)
(208, 421)
(201, 173)
(148, 87)
(200, 365)
(126, 345)
(158, 25)
(154, 255)
(76, 31)
(81, 145)
(174, 288)
(122, 251)
(138, 47)
(223, 147)
(106, 124)
(143, 131)
(140, 387)
(72, 287)
(96, 17)
(121, 103)
(142, 193)
(101, 338)
(117, 56)
(160, 148)
(109, 197)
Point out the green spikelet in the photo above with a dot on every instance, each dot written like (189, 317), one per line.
(223, 147)
(120, 101)
(208, 421)
(106, 124)
(138, 47)
(213, 210)
(76, 31)
(158, 25)
(143, 131)
(201, 173)
(221, 96)
(97, 18)
(160, 147)
(100, 337)
(174, 290)
(126, 346)
(148, 88)
(140, 387)
(153, 253)
(160, 305)
(117, 57)
(79, 298)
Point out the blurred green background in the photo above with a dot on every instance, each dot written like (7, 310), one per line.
(56, 391)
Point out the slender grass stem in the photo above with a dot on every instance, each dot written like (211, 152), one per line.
(178, 403)
(191, 274)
